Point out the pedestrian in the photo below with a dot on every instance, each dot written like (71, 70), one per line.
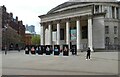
(18, 49)
(88, 54)
(73, 50)
(5, 50)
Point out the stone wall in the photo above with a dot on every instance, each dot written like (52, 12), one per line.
(0, 27)
(98, 32)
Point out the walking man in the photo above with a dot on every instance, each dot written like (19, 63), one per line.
(88, 54)
(5, 50)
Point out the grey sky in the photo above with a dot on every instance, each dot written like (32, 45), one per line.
(29, 10)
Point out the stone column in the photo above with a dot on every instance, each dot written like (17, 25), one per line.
(42, 35)
(109, 12)
(103, 8)
(115, 12)
(58, 33)
(100, 8)
(68, 33)
(119, 12)
(94, 9)
(78, 34)
(50, 34)
(90, 34)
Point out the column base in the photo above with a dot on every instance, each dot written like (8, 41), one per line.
(91, 49)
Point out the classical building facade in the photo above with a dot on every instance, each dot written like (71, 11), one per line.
(82, 23)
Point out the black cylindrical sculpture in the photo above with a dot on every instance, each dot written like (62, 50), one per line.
(48, 50)
(74, 50)
(65, 50)
(27, 49)
(56, 49)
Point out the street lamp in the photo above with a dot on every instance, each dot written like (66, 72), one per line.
(5, 30)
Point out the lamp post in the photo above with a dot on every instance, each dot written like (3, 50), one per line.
(5, 30)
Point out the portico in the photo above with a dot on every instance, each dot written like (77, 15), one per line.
(63, 22)
(68, 24)
(80, 23)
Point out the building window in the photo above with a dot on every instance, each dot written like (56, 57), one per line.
(84, 32)
(115, 41)
(106, 29)
(113, 12)
(117, 11)
(61, 34)
(107, 40)
(97, 8)
(115, 29)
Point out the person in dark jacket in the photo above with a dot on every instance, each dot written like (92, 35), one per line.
(88, 54)
(5, 50)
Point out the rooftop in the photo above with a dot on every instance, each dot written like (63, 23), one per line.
(92, 1)
(75, 2)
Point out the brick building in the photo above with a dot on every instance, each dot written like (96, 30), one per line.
(28, 38)
(13, 30)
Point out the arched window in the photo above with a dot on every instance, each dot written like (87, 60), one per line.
(107, 40)
(115, 29)
(115, 41)
(106, 29)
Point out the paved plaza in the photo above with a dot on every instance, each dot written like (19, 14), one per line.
(18, 63)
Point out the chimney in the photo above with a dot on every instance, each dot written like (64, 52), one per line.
(4, 8)
(16, 19)
(11, 16)
(21, 22)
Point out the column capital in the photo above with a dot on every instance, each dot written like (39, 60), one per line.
(90, 16)
(67, 19)
(50, 22)
(58, 21)
(42, 23)
(78, 18)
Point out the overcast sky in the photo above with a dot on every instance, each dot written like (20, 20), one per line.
(29, 10)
